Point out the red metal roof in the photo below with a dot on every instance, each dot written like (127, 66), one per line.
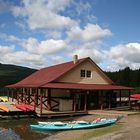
(47, 74)
(46, 78)
(85, 86)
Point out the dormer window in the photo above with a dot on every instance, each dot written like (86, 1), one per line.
(88, 73)
(85, 74)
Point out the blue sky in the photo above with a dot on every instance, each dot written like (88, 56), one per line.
(39, 33)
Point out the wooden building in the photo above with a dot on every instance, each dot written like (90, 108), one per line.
(72, 86)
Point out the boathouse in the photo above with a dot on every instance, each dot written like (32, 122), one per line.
(79, 85)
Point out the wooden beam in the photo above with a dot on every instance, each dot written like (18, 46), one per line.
(12, 95)
(41, 100)
(29, 95)
(129, 102)
(110, 101)
(35, 96)
(49, 99)
(8, 93)
(74, 102)
(17, 97)
(85, 105)
(120, 98)
(101, 100)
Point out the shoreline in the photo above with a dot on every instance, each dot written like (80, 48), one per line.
(127, 129)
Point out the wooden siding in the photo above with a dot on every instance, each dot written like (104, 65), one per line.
(74, 75)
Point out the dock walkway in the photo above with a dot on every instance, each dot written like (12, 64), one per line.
(113, 112)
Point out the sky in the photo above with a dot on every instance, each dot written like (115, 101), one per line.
(41, 33)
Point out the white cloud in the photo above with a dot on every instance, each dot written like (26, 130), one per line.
(6, 49)
(44, 14)
(90, 32)
(88, 50)
(63, 32)
(8, 37)
(59, 6)
(44, 47)
(10, 56)
(125, 55)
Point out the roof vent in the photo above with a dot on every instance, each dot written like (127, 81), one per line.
(75, 59)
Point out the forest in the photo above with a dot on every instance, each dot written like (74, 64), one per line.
(126, 77)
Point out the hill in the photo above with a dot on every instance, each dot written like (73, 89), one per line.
(10, 74)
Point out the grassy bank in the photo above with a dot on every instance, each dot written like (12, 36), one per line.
(100, 132)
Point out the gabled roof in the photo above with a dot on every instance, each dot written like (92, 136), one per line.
(48, 74)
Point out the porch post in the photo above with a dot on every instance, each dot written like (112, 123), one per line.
(101, 100)
(40, 96)
(29, 95)
(129, 102)
(8, 93)
(120, 98)
(17, 98)
(85, 106)
(35, 96)
(22, 96)
(12, 95)
(74, 103)
(49, 99)
(110, 101)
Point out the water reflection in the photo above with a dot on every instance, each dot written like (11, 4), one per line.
(8, 134)
(19, 130)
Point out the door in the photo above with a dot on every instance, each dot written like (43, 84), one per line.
(93, 100)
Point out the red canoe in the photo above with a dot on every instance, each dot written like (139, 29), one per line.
(27, 107)
(136, 96)
(21, 107)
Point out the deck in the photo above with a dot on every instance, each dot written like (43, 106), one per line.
(50, 114)
(15, 112)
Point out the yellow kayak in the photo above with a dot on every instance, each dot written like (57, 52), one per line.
(4, 99)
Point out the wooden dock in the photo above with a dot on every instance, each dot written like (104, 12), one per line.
(15, 112)
(50, 114)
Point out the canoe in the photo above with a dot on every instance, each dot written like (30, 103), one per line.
(20, 106)
(28, 108)
(135, 96)
(4, 108)
(57, 126)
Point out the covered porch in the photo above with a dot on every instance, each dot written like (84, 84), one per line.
(69, 99)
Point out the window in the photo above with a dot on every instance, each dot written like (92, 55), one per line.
(88, 73)
(83, 73)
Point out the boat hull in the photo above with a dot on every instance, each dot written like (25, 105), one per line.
(74, 126)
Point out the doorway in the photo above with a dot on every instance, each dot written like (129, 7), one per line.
(93, 100)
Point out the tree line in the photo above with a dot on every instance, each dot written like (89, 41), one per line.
(125, 77)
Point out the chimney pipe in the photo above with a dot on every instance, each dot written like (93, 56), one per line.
(75, 59)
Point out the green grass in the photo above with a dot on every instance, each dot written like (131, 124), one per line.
(99, 132)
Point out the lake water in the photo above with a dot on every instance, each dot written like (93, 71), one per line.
(19, 129)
